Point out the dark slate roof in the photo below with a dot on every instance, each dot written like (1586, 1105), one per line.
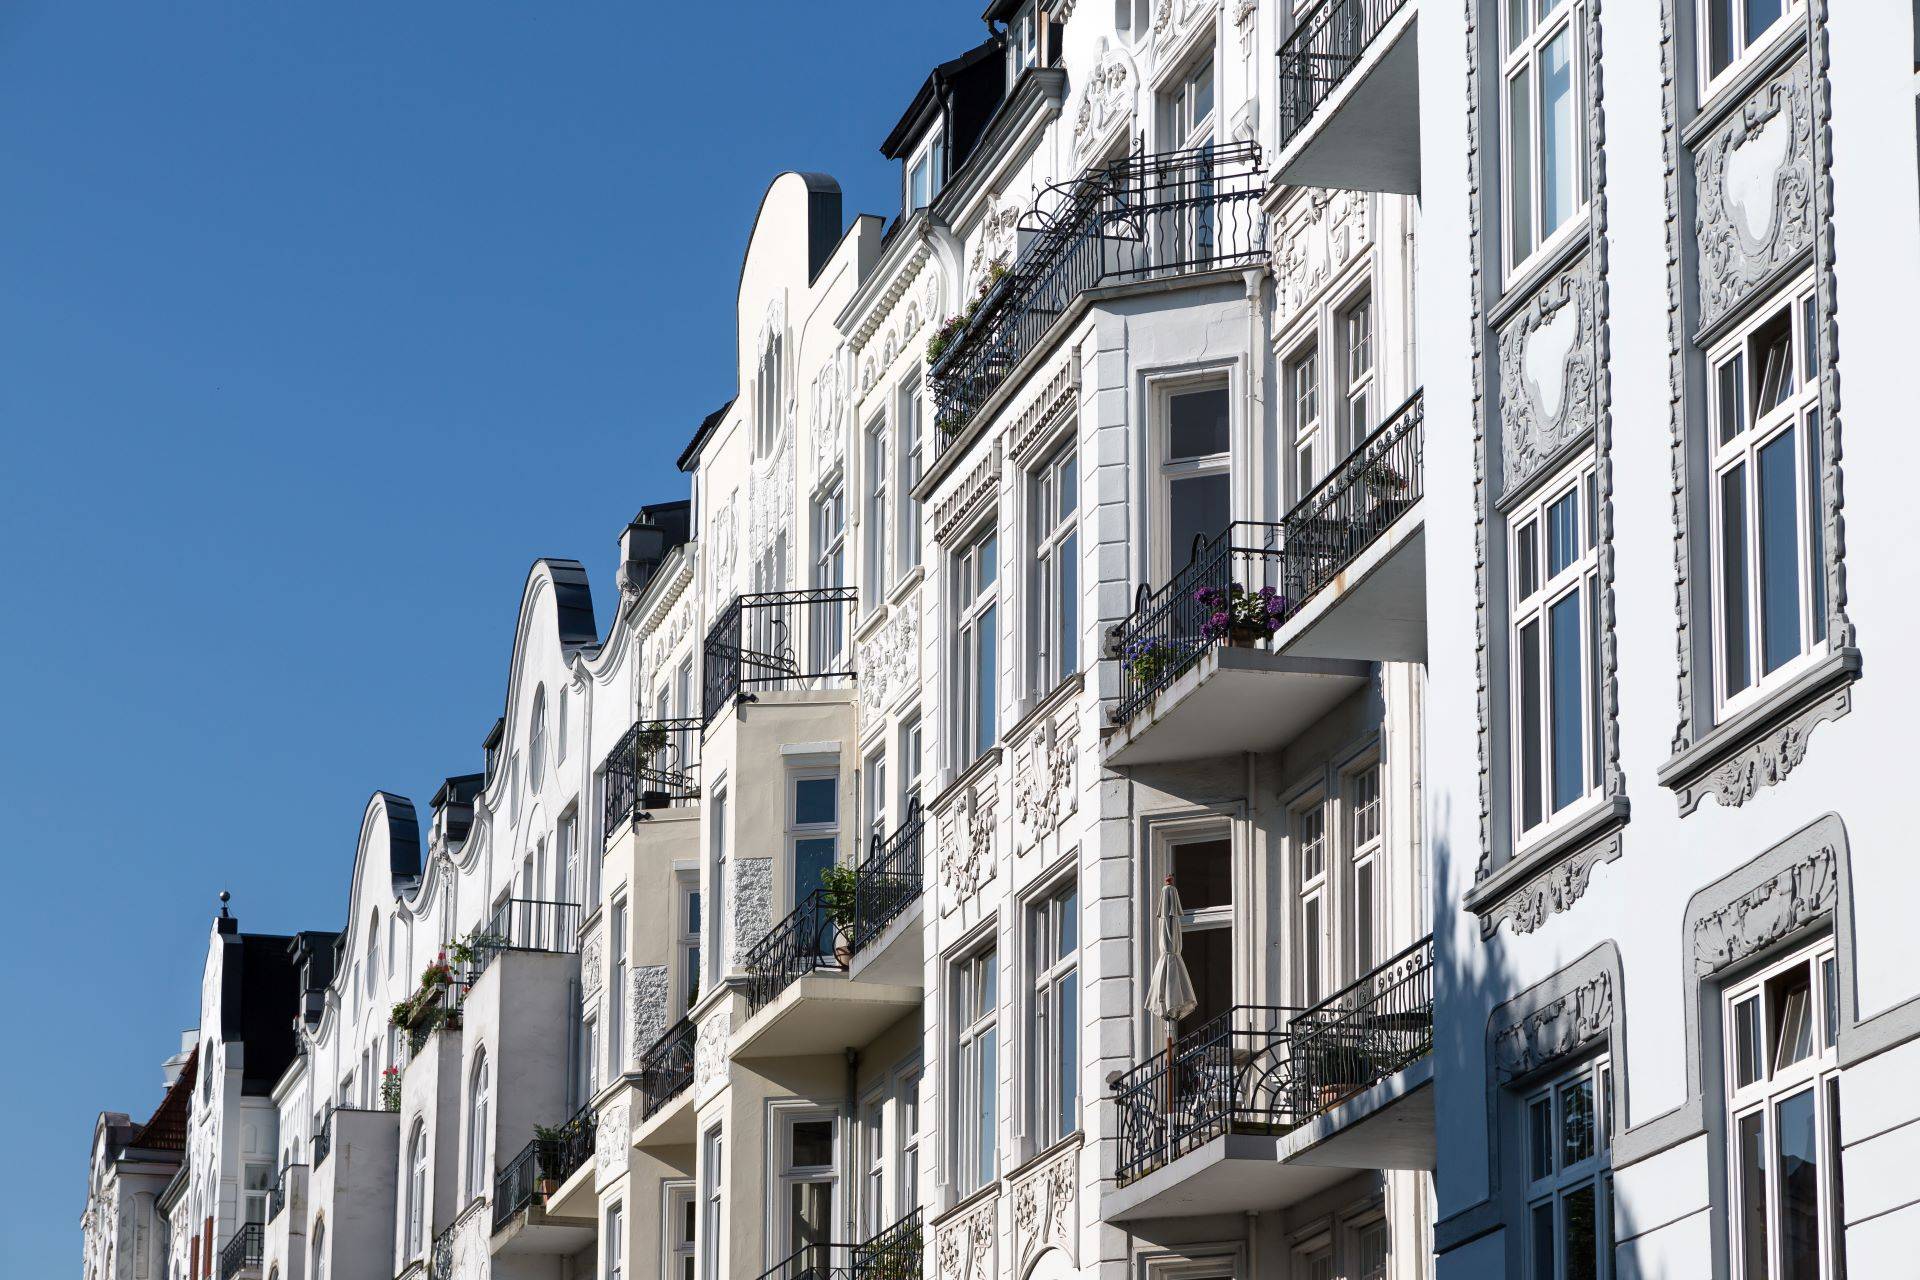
(269, 1003)
(403, 837)
(573, 601)
(976, 92)
(707, 426)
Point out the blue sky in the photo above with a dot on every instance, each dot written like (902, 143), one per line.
(317, 324)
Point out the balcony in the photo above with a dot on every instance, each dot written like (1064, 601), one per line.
(524, 924)
(323, 1139)
(800, 999)
(1348, 97)
(1269, 626)
(782, 641)
(244, 1252)
(1147, 217)
(654, 765)
(892, 1254)
(666, 1069)
(527, 1217)
(290, 1184)
(1266, 1105)
(886, 892)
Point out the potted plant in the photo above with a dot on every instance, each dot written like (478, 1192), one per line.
(390, 1089)
(1241, 617)
(552, 1139)
(1148, 658)
(839, 887)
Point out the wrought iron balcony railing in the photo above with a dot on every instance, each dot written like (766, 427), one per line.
(806, 940)
(1242, 585)
(666, 1069)
(891, 1254)
(552, 1157)
(1326, 44)
(434, 1008)
(1264, 1069)
(277, 1195)
(780, 640)
(323, 1139)
(888, 881)
(245, 1250)
(524, 924)
(655, 764)
(573, 1145)
(1142, 218)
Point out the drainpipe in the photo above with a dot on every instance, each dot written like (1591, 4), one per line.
(847, 1158)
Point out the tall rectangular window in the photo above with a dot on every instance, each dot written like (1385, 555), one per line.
(717, 957)
(1543, 139)
(1303, 419)
(1356, 343)
(617, 989)
(1202, 871)
(615, 1244)
(687, 913)
(1196, 471)
(976, 575)
(876, 1156)
(911, 762)
(908, 1197)
(713, 1203)
(876, 534)
(1766, 498)
(813, 827)
(874, 797)
(976, 1075)
(1056, 572)
(808, 1177)
(568, 861)
(1555, 649)
(1569, 1179)
(1366, 863)
(682, 1215)
(828, 629)
(1055, 942)
(590, 1056)
(1315, 906)
(907, 418)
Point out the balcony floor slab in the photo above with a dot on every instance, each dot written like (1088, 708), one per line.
(1366, 135)
(1375, 609)
(823, 1012)
(1232, 700)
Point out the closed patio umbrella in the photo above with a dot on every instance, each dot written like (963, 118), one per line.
(1170, 994)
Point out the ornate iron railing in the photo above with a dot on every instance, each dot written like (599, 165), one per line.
(277, 1194)
(890, 1254)
(778, 640)
(573, 1146)
(1144, 217)
(1243, 584)
(807, 939)
(1265, 1069)
(246, 1249)
(323, 1139)
(666, 1069)
(515, 1186)
(1326, 43)
(655, 764)
(524, 924)
(888, 881)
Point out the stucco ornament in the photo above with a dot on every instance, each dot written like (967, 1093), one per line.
(1106, 98)
(752, 904)
(1244, 12)
(1553, 890)
(610, 1142)
(890, 662)
(770, 500)
(649, 1008)
(1547, 373)
(590, 965)
(999, 237)
(1046, 1210)
(830, 405)
(473, 1257)
(1754, 211)
(967, 860)
(1790, 900)
(1045, 791)
(1767, 759)
(723, 532)
(710, 1055)
(1555, 1030)
(964, 1246)
(1320, 232)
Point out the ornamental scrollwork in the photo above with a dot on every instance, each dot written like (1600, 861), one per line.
(1046, 1210)
(1754, 177)
(1547, 374)
(590, 966)
(1552, 891)
(967, 861)
(890, 662)
(1766, 760)
(1555, 1030)
(1045, 788)
(710, 1055)
(1793, 898)
(964, 1246)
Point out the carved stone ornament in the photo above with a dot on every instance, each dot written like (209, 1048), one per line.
(999, 237)
(1319, 233)
(723, 532)
(1766, 760)
(1552, 891)
(472, 1251)
(1754, 178)
(770, 498)
(831, 403)
(964, 1246)
(1792, 899)
(1546, 373)
(890, 662)
(1045, 791)
(967, 860)
(649, 1008)
(1046, 1210)
(1106, 98)
(1555, 1030)
(590, 965)
(710, 1055)
(752, 903)
(610, 1142)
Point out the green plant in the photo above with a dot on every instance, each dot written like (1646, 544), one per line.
(467, 951)
(1148, 658)
(952, 327)
(838, 886)
(649, 742)
(390, 1089)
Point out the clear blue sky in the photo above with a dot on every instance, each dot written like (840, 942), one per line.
(318, 322)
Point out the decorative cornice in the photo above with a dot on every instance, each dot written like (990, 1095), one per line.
(1556, 1030)
(1762, 745)
(971, 497)
(1060, 397)
(1791, 899)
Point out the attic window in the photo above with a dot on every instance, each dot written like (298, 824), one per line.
(924, 173)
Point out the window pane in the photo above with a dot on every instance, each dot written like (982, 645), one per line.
(1540, 1139)
(813, 800)
(1576, 1121)
(812, 1144)
(1196, 508)
(1790, 998)
(1799, 1153)
(1069, 924)
(1774, 345)
(1746, 1042)
(1067, 1058)
(1816, 534)
(1719, 35)
(1067, 642)
(1733, 575)
(811, 858)
(1569, 728)
(1750, 1156)
(1363, 917)
(1542, 1232)
(983, 683)
(1197, 423)
(1526, 560)
(989, 1104)
(1519, 168)
(1209, 957)
(1519, 22)
(1203, 874)
(1809, 339)
(1594, 744)
(1761, 14)
(1531, 746)
(987, 557)
(1577, 1221)
(1563, 533)
(1830, 983)
(1312, 941)
(1779, 553)
(1560, 157)
(1730, 382)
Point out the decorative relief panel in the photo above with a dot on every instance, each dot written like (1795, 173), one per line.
(723, 531)
(649, 1011)
(1766, 760)
(710, 1055)
(971, 497)
(590, 965)
(1555, 1030)
(1106, 100)
(610, 1142)
(1320, 232)
(890, 662)
(1547, 364)
(831, 405)
(1753, 179)
(1045, 766)
(965, 1247)
(1554, 890)
(1791, 899)
(999, 236)
(1046, 1210)
(966, 841)
(752, 903)
(770, 497)
(1173, 17)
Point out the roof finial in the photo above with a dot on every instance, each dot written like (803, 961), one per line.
(225, 898)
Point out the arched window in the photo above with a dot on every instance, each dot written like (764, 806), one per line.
(477, 1129)
(373, 952)
(318, 1271)
(416, 1190)
(560, 736)
(537, 742)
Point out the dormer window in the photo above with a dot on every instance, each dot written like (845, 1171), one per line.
(1023, 40)
(924, 174)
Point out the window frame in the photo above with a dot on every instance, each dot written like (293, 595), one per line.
(797, 832)
(909, 443)
(617, 945)
(615, 1237)
(1563, 1178)
(1054, 583)
(1523, 55)
(975, 1000)
(827, 626)
(1311, 828)
(479, 1120)
(1168, 837)
(976, 633)
(689, 909)
(876, 534)
(1053, 967)
(1165, 559)
(788, 1175)
(679, 1206)
(1745, 50)
(713, 1202)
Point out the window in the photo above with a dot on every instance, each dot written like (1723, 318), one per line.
(590, 1055)
(875, 1157)
(1056, 571)
(1769, 557)
(1303, 413)
(1182, 234)
(683, 687)
(829, 570)
(1195, 473)
(1555, 654)
(688, 948)
(537, 742)
(910, 763)
(1201, 866)
(874, 795)
(616, 1241)
(717, 885)
(1543, 121)
(1188, 109)
(809, 1142)
(976, 1070)
(1315, 907)
(477, 1120)
(416, 1210)
(907, 415)
(373, 955)
(1056, 1015)
(1783, 1111)
(569, 857)
(1132, 19)
(257, 1184)
(1731, 28)
(560, 739)
(1569, 1182)
(813, 828)
(713, 1203)
(1023, 40)
(1366, 863)
(925, 173)
(319, 1268)
(617, 989)
(682, 1213)
(766, 399)
(907, 1197)
(976, 666)
(874, 517)
(1356, 347)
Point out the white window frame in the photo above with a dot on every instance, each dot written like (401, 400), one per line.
(1187, 113)
(416, 1202)
(616, 1241)
(912, 754)
(716, 891)
(617, 944)
(767, 395)
(1166, 559)
(1522, 57)
(1737, 449)
(1053, 992)
(679, 1210)
(1742, 49)
(1552, 1174)
(479, 1120)
(875, 797)
(827, 623)
(1054, 515)
(924, 173)
(1536, 589)
(688, 908)
(590, 1053)
(790, 1175)
(537, 741)
(1168, 838)
(876, 1161)
(909, 440)
(1302, 379)
(976, 597)
(1310, 831)
(876, 533)
(976, 1073)
(907, 1135)
(798, 831)
(1360, 408)
(1023, 40)
(713, 1203)
(1364, 829)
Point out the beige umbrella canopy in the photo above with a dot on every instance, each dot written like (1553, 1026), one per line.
(1170, 989)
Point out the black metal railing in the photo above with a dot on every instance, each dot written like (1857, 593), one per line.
(1140, 218)
(656, 763)
(277, 1194)
(1265, 1069)
(890, 1254)
(515, 1186)
(523, 924)
(1326, 43)
(779, 640)
(807, 939)
(573, 1144)
(666, 1068)
(812, 1262)
(433, 1008)
(245, 1250)
(1240, 586)
(888, 881)
(323, 1139)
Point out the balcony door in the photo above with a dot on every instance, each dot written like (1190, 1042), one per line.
(1193, 502)
(1202, 870)
(808, 1182)
(1183, 229)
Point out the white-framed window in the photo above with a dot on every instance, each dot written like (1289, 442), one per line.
(416, 1229)
(1132, 19)
(683, 687)
(1196, 472)
(1302, 374)
(479, 1112)
(1187, 107)
(617, 944)
(912, 762)
(925, 172)
(829, 570)
(1054, 939)
(589, 1056)
(876, 1156)
(808, 1183)
(1055, 503)
(1366, 869)
(537, 742)
(1782, 1077)
(906, 400)
(256, 1186)
(687, 947)
(681, 1212)
(876, 533)
(874, 796)
(976, 1070)
(767, 396)
(1181, 233)
(616, 1241)
(1357, 407)
(1313, 890)
(813, 827)
(1569, 1178)
(713, 1202)
(1543, 121)
(319, 1268)
(1729, 30)
(717, 957)
(1554, 565)
(907, 1196)
(564, 729)
(513, 789)
(567, 834)
(1023, 40)
(976, 595)
(1352, 1247)
(1765, 493)
(373, 954)
(1199, 858)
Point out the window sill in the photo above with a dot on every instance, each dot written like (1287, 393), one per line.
(911, 579)
(1552, 875)
(1561, 251)
(1764, 743)
(980, 1195)
(986, 761)
(1050, 701)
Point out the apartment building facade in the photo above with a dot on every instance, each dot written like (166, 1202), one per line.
(1082, 785)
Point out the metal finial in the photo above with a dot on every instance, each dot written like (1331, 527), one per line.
(225, 898)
